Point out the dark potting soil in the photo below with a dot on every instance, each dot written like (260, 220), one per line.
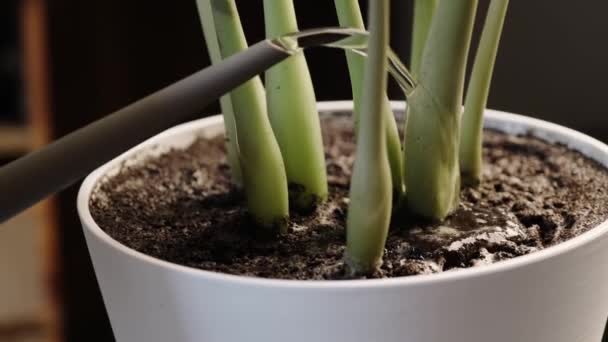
(181, 207)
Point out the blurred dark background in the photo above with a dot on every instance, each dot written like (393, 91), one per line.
(65, 63)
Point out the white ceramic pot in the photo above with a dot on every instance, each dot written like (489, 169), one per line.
(559, 294)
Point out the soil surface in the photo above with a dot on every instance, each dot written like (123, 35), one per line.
(181, 207)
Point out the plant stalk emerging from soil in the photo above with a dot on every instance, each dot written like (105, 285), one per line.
(370, 205)
(249, 132)
(477, 93)
(292, 107)
(432, 174)
(215, 54)
(349, 15)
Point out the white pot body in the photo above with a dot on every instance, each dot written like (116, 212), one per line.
(559, 294)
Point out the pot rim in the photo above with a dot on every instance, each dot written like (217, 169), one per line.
(417, 280)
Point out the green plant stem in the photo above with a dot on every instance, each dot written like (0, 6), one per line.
(349, 15)
(432, 174)
(213, 47)
(260, 159)
(477, 93)
(292, 107)
(423, 15)
(370, 205)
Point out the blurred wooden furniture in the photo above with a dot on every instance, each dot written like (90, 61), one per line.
(24, 314)
(37, 93)
(14, 139)
(28, 243)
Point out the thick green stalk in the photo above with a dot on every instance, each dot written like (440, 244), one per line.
(370, 205)
(213, 47)
(349, 15)
(423, 16)
(292, 107)
(477, 93)
(432, 175)
(259, 155)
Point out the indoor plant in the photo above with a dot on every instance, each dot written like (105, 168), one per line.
(206, 303)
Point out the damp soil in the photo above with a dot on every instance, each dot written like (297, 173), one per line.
(181, 207)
